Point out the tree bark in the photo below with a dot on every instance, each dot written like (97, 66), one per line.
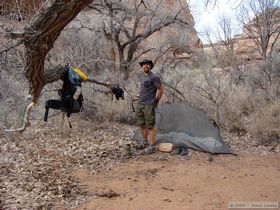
(40, 37)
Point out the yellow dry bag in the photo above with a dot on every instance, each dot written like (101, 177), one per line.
(80, 73)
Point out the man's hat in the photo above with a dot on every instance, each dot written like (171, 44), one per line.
(147, 62)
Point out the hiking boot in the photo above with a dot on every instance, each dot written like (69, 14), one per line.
(149, 150)
(141, 146)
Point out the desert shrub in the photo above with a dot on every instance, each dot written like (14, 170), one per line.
(231, 120)
(115, 110)
(240, 100)
(109, 114)
(208, 90)
(254, 107)
(12, 103)
(265, 123)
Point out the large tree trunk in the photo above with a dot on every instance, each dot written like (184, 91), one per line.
(38, 38)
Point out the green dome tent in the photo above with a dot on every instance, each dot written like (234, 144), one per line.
(183, 125)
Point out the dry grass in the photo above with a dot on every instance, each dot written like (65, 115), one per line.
(110, 109)
(265, 123)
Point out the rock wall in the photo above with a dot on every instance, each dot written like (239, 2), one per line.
(245, 47)
(184, 41)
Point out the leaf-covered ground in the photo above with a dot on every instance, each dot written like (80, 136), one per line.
(37, 166)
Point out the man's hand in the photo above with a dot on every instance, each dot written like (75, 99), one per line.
(159, 93)
(157, 100)
(136, 98)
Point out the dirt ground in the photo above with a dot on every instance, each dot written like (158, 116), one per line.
(89, 171)
(162, 181)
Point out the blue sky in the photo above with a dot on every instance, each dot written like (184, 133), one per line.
(209, 17)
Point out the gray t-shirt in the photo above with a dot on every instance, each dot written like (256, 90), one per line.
(148, 88)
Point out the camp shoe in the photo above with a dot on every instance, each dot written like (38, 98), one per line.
(184, 151)
(149, 150)
(176, 151)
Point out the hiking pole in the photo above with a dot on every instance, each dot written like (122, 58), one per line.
(132, 105)
(46, 114)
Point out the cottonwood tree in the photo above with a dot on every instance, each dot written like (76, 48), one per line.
(225, 35)
(223, 49)
(129, 23)
(260, 19)
(38, 38)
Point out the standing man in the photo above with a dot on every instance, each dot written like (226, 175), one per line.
(151, 90)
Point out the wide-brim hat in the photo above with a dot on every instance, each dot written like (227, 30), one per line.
(147, 62)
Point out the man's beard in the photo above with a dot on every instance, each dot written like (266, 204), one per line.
(147, 70)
